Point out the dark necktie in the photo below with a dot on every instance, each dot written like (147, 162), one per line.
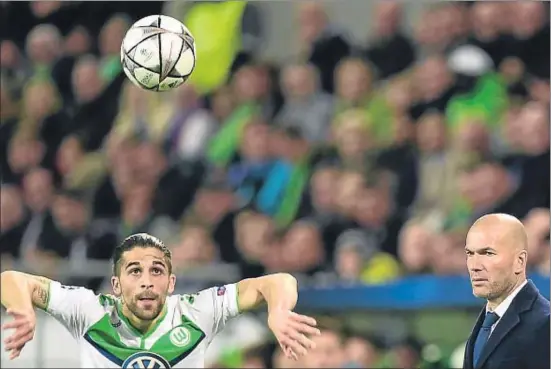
(489, 320)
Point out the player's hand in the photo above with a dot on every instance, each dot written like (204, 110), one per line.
(292, 332)
(23, 324)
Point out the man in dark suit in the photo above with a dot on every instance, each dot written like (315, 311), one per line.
(512, 331)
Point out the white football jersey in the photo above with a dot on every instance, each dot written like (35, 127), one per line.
(107, 340)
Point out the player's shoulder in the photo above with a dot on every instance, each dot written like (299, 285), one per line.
(204, 297)
(82, 296)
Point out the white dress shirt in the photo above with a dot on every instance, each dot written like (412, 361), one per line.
(501, 309)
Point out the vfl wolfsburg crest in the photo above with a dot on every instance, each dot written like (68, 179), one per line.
(180, 336)
(145, 360)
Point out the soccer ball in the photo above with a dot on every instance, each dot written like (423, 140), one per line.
(158, 53)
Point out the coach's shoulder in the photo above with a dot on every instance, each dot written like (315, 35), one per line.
(541, 307)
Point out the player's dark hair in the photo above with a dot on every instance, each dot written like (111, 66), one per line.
(143, 240)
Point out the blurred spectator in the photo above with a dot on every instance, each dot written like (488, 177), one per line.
(43, 115)
(490, 187)
(194, 248)
(530, 30)
(354, 88)
(329, 351)
(389, 41)
(320, 43)
(532, 163)
(76, 44)
(247, 89)
(399, 94)
(223, 103)
(65, 223)
(38, 187)
(302, 249)
(432, 201)
(142, 115)
(374, 213)
(362, 351)
(305, 105)
(254, 235)
(69, 156)
(86, 82)
(415, 241)
(432, 35)
(153, 169)
(254, 358)
(251, 170)
(434, 86)
(298, 156)
(487, 30)
(43, 48)
(24, 153)
(9, 115)
(354, 142)
(96, 102)
(407, 354)
(358, 259)
(537, 228)
(110, 40)
(12, 221)
(136, 210)
(14, 68)
(447, 255)
(323, 188)
(190, 127)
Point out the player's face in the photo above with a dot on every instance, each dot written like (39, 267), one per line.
(492, 264)
(144, 282)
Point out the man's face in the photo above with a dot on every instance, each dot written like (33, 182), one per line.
(144, 282)
(38, 189)
(323, 186)
(493, 262)
(328, 354)
(70, 214)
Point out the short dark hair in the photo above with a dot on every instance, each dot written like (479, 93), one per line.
(143, 240)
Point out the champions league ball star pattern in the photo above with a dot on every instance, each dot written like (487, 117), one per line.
(158, 53)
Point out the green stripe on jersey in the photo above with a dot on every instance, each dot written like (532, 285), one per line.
(174, 345)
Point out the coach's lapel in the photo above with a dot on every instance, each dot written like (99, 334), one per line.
(522, 302)
(504, 326)
(469, 348)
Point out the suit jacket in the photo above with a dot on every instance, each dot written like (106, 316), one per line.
(521, 337)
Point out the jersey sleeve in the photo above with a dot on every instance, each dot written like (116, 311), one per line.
(76, 308)
(213, 307)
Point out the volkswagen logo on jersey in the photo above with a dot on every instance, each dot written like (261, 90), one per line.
(145, 360)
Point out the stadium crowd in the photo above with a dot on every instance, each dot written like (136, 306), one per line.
(352, 162)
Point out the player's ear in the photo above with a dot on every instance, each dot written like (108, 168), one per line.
(115, 283)
(522, 259)
(171, 283)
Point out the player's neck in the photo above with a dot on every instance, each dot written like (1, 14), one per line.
(142, 326)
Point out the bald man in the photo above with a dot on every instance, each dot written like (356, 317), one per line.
(512, 331)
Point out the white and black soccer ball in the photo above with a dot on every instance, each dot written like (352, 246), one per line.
(158, 53)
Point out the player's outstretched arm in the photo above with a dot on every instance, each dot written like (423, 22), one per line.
(20, 294)
(280, 293)
(23, 292)
(76, 308)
